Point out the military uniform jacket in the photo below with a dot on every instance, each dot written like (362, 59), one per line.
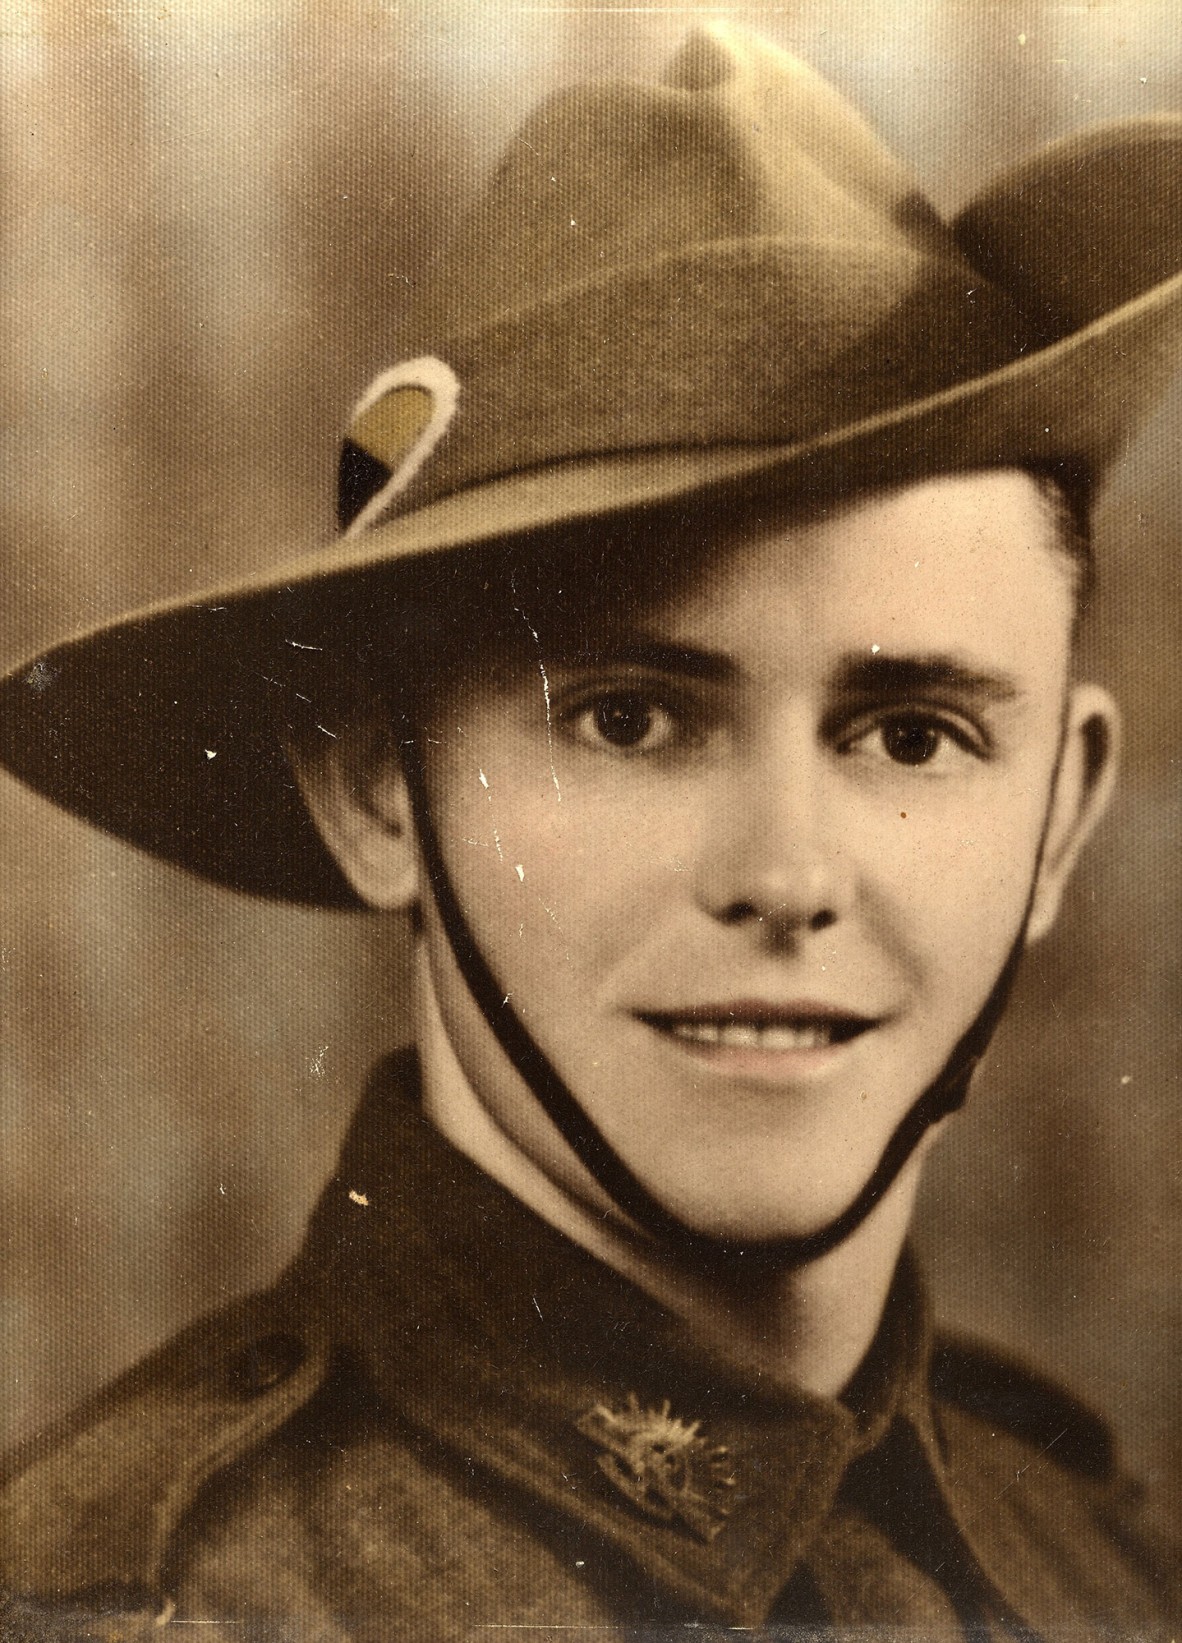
(447, 1422)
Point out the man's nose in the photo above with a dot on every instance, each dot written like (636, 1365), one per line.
(774, 851)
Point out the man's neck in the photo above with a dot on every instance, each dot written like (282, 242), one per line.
(807, 1327)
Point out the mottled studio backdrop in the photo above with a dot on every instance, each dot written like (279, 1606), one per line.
(213, 211)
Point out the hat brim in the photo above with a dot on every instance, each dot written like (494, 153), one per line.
(160, 727)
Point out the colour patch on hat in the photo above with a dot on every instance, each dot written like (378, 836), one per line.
(397, 423)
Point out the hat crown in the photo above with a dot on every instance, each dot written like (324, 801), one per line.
(741, 141)
(729, 257)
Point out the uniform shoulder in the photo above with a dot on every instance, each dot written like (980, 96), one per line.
(1005, 1393)
(90, 1504)
(1060, 1529)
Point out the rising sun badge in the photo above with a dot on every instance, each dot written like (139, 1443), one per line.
(663, 1465)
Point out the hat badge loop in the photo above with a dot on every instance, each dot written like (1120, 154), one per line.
(395, 426)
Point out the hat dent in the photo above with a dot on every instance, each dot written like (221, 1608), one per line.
(608, 175)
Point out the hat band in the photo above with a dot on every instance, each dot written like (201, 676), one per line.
(754, 341)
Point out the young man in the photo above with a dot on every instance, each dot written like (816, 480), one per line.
(697, 665)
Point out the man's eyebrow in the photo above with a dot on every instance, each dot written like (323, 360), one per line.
(636, 650)
(907, 676)
(880, 675)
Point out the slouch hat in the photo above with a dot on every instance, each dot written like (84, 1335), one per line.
(664, 294)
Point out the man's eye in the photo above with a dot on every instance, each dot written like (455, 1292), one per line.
(913, 738)
(624, 719)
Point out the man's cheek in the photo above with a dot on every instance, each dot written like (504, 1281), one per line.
(977, 905)
(987, 829)
(954, 879)
(575, 901)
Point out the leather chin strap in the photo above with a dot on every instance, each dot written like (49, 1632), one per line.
(942, 1096)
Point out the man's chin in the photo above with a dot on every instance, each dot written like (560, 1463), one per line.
(746, 1210)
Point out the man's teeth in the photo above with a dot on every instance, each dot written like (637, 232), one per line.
(745, 1035)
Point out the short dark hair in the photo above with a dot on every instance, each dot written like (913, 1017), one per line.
(1070, 502)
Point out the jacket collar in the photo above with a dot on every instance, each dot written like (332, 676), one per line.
(529, 1357)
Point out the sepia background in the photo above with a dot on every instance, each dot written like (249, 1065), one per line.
(213, 213)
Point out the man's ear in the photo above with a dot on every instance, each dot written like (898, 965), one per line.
(356, 794)
(1086, 777)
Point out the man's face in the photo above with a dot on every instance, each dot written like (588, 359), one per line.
(749, 866)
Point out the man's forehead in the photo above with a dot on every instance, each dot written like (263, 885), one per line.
(929, 554)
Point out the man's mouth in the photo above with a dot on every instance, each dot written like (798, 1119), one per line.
(768, 1029)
